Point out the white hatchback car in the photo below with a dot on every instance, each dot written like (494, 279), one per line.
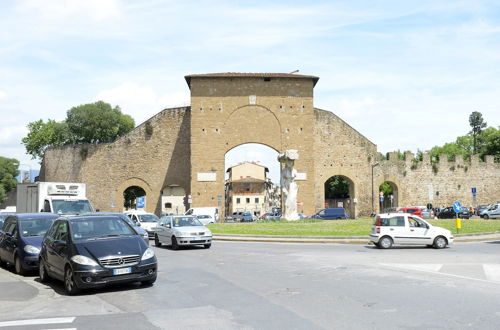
(182, 230)
(148, 221)
(405, 228)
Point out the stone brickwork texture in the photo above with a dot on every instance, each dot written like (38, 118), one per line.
(181, 145)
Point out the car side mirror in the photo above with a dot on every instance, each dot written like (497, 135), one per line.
(138, 224)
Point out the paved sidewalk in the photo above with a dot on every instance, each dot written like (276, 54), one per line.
(483, 237)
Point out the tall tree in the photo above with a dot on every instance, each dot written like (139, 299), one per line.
(477, 124)
(9, 169)
(97, 122)
(88, 123)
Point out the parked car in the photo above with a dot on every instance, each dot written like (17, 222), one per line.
(21, 238)
(148, 221)
(449, 213)
(426, 213)
(492, 212)
(246, 217)
(93, 251)
(205, 219)
(136, 225)
(182, 230)
(404, 228)
(464, 213)
(481, 208)
(237, 216)
(412, 210)
(331, 213)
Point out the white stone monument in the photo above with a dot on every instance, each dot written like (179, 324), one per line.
(289, 187)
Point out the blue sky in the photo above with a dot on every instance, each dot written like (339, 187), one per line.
(406, 74)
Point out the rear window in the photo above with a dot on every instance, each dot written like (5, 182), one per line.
(393, 221)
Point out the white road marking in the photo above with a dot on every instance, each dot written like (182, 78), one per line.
(489, 280)
(56, 320)
(492, 271)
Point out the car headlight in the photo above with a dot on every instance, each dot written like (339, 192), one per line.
(83, 260)
(31, 249)
(145, 235)
(149, 253)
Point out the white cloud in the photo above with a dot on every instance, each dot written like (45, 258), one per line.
(141, 102)
(3, 95)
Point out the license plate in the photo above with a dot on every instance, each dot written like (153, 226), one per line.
(121, 271)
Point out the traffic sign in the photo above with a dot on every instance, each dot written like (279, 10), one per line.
(140, 201)
(474, 191)
(457, 206)
(382, 198)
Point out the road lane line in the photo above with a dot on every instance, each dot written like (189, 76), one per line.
(56, 320)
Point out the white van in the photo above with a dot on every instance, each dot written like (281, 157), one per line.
(211, 211)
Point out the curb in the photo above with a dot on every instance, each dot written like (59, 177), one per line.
(476, 237)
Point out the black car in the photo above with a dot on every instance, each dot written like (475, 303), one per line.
(92, 251)
(21, 238)
(449, 213)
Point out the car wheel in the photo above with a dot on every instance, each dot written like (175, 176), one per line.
(385, 242)
(2, 263)
(42, 272)
(149, 282)
(440, 242)
(207, 246)
(69, 282)
(18, 266)
(157, 241)
(175, 245)
(486, 217)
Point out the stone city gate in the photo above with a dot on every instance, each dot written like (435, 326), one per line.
(182, 150)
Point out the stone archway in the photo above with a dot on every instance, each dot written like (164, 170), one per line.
(150, 197)
(391, 199)
(396, 187)
(343, 194)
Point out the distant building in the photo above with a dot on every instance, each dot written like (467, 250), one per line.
(249, 190)
(27, 175)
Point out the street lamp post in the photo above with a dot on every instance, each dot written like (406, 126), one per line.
(373, 199)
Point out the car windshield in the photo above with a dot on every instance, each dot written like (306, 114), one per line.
(71, 206)
(186, 221)
(34, 227)
(147, 217)
(99, 227)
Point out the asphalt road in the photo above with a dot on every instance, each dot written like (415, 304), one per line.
(237, 285)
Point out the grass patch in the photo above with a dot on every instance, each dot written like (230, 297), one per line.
(358, 227)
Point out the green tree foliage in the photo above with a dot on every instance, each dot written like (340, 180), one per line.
(477, 124)
(9, 169)
(336, 187)
(491, 142)
(386, 188)
(89, 123)
(97, 123)
(42, 135)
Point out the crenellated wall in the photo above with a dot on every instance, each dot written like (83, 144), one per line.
(441, 182)
(154, 155)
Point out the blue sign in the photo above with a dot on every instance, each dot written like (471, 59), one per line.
(381, 198)
(140, 201)
(474, 191)
(457, 206)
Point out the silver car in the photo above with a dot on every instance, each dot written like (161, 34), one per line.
(182, 230)
(491, 212)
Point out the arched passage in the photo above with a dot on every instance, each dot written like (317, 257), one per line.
(132, 196)
(340, 192)
(119, 202)
(389, 190)
(172, 199)
(252, 175)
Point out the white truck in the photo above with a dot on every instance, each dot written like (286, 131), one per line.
(55, 197)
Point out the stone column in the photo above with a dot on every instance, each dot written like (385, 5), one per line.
(289, 188)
